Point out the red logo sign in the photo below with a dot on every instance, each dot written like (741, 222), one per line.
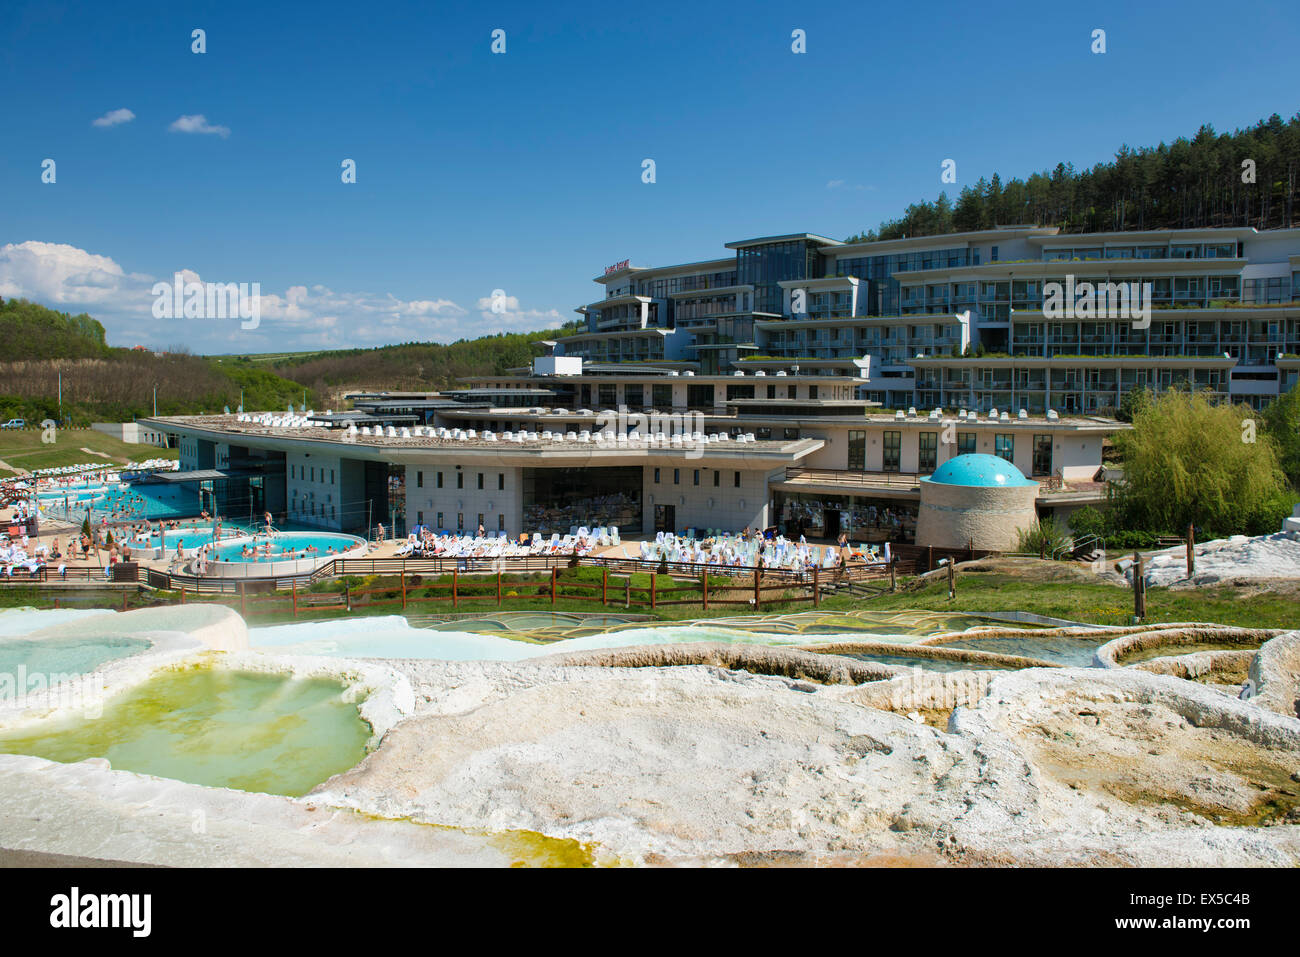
(617, 266)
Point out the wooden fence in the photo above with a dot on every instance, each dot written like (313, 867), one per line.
(707, 590)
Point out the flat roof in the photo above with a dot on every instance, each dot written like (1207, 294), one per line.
(415, 450)
(788, 237)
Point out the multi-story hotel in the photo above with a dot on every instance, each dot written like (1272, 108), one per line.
(959, 320)
(814, 382)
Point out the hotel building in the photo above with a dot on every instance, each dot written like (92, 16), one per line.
(854, 368)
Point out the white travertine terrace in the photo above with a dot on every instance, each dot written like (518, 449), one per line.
(717, 754)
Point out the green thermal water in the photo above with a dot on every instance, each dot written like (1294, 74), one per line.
(210, 726)
(72, 655)
(1075, 652)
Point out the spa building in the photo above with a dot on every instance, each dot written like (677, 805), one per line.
(811, 385)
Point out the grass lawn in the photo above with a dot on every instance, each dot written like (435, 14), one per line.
(23, 448)
(1095, 603)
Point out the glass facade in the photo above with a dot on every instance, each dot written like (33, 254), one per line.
(861, 518)
(883, 292)
(765, 266)
(556, 499)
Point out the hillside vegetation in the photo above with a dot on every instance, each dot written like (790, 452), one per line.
(410, 366)
(105, 384)
(1189, 183)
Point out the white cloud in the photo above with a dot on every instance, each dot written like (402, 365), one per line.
(114, 118)
(57, 274)
(198, 123)
(297, 317)
(842, 184)
(511, 317)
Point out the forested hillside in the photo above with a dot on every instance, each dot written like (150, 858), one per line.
(1185, 184)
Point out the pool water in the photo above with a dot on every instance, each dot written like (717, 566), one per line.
(188, 537)
(69, 655)
(209, 726)
(1072, 652)
(286, 546)
(138, 500)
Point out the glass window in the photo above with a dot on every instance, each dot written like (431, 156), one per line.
(892, 443)
(1004, 446)
(439, 483)
(736, 481)
(460, 480)
(501, 481)
(480, 480)
(966, 443)
(929, 452)
(1042, 455)
(858, 450)
(677, 476)
(419, 480)
(656, 476)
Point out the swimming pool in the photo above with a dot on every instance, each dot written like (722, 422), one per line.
(189, 538)
(134, 500)
(284, 546)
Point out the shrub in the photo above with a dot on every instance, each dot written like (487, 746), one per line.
(1090, 521)
(1043, 536)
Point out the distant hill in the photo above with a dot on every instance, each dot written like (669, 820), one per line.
(409, 366)
(102, 383)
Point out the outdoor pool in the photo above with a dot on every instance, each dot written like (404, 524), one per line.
(285, 546)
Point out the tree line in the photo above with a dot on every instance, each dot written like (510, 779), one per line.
(1244, 178)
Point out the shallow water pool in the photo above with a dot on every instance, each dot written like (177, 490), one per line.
(69, 655)
(209, 726)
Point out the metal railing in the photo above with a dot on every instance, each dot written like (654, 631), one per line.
(853, 477)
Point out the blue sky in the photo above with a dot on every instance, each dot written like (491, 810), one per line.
(522, 171)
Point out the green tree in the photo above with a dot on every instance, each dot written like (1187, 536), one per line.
(1134, 401)
(1187, 461)
(1282, 425)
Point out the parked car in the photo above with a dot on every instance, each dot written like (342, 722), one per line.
(15, 424)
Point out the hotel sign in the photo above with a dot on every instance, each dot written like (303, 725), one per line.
(617, 266)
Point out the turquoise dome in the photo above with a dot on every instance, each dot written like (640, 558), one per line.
(983, 471)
